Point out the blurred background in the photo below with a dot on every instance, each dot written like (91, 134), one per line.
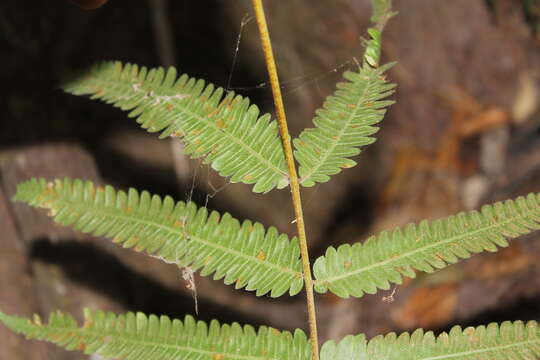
(465, 131)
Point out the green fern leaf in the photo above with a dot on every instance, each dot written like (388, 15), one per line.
(224, 128)
(510, 340)
(140, 337)
(385, 258)
(244, 254)
(345, 123)
(349, 117)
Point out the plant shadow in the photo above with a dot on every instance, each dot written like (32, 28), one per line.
(92, 267)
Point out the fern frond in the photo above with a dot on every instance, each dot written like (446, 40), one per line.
(428, 246)
(220, 125)
(140, 337)
(244, 254)
(510, 340)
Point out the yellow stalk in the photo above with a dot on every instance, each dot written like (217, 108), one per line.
(295, 187)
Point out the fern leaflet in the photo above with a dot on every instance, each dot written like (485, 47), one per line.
(385, 258)
(510, 340)
(244, 254)
(236, 141)
(349, 117)
(140, 337)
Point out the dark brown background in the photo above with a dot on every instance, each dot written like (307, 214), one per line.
(465, 131)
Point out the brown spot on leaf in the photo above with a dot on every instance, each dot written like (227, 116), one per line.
(261, 255)
(178, 224)
(133, 239)
(221, 124)
(88, 323)
(177, 134)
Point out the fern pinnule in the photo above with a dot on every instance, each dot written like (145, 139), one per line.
(509, 340)
(428, 246)
(136, 336)
(245, 255)
(216, 124)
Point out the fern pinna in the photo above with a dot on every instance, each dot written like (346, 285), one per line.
(348, 118)
(243, 145)
(222, 127)
(245, 255)
(510, 340)
(140, 337)
(428, 246)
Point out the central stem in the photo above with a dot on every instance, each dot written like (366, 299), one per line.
(295, 187)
